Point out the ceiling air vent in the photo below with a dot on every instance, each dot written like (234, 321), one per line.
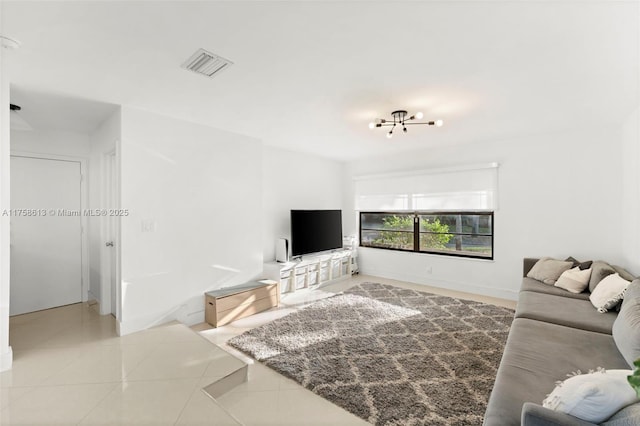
(206, 63)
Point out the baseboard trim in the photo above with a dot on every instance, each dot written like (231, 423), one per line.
(93, 299)
(6, 360)
(179, 313)
(128, 327)
(502, 293)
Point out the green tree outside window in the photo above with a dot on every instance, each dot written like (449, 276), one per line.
(397, 233)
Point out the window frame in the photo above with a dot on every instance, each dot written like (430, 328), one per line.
(416, 232)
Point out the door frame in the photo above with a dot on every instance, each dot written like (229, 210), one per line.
(110, 194)
(84, 197)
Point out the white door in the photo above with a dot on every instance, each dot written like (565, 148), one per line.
(46, 247)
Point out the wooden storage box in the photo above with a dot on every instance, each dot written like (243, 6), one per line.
(232, 303)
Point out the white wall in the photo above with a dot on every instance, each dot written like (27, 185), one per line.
(102, 141)
(6, 355)
(631, 190)
(196, 219)
(71, 144)
(559, 195)
(291, 181)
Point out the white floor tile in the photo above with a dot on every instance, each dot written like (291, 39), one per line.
(102, 364)
(189, 359)
(11, 395)
(176, 333)
(55, 404)
(221, 335)
(261, 378)
(33, 367)
(156, 402)
(252, 408)
(93, 332)
(202, 410)
(222, 364)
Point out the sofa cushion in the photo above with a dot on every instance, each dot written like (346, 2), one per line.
(537, 415)
(538, 354)
(563, 311)
(633, 291)
(548, 270)
(628, 416)
(626, 328)
(599, 270)
(575, 280)
(609, 292)
(529, 284)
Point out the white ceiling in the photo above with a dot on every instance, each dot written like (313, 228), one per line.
(52, 111)
(309, 76)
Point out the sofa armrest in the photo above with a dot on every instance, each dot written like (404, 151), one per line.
(537, 415)
(527, 264)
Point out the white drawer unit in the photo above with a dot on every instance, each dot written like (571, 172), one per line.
(311, 271)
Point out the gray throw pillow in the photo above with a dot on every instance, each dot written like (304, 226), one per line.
(623, 273)
(599, 271)
(548, 270)
(626, 328)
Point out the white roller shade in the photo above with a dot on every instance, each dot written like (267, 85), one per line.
(457, 188)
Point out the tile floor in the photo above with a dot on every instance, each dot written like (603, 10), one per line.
(71, 368)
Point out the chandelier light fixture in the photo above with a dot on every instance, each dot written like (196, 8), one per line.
(402, 119)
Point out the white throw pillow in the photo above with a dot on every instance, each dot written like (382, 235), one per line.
(593, 397)
(609, 292)
(574, 280)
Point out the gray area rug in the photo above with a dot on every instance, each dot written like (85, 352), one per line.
(390, 355)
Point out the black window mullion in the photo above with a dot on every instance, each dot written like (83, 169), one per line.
(416, 232)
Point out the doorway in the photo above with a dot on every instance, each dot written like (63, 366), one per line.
(46, 239)
(111, 231)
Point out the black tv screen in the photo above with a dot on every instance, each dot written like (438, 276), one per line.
(315, 230)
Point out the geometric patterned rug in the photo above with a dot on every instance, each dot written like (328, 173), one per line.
(389, 355)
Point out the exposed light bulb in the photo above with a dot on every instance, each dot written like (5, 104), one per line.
(372, 125)
(390, 134)
(419, 115)
(439, 123)
(404, 129)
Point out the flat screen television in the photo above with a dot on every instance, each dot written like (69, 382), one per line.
(315, 230)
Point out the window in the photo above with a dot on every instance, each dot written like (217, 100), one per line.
(383, 230)
(467, 234)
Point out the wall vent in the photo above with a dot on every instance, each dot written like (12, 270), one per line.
(206, 63)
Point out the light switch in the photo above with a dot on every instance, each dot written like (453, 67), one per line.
(148, 225)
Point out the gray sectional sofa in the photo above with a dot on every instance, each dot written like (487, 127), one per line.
(554, 333)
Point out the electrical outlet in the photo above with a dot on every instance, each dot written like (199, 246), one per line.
(429, 270)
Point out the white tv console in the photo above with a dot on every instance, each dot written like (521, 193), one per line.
(311, 271)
